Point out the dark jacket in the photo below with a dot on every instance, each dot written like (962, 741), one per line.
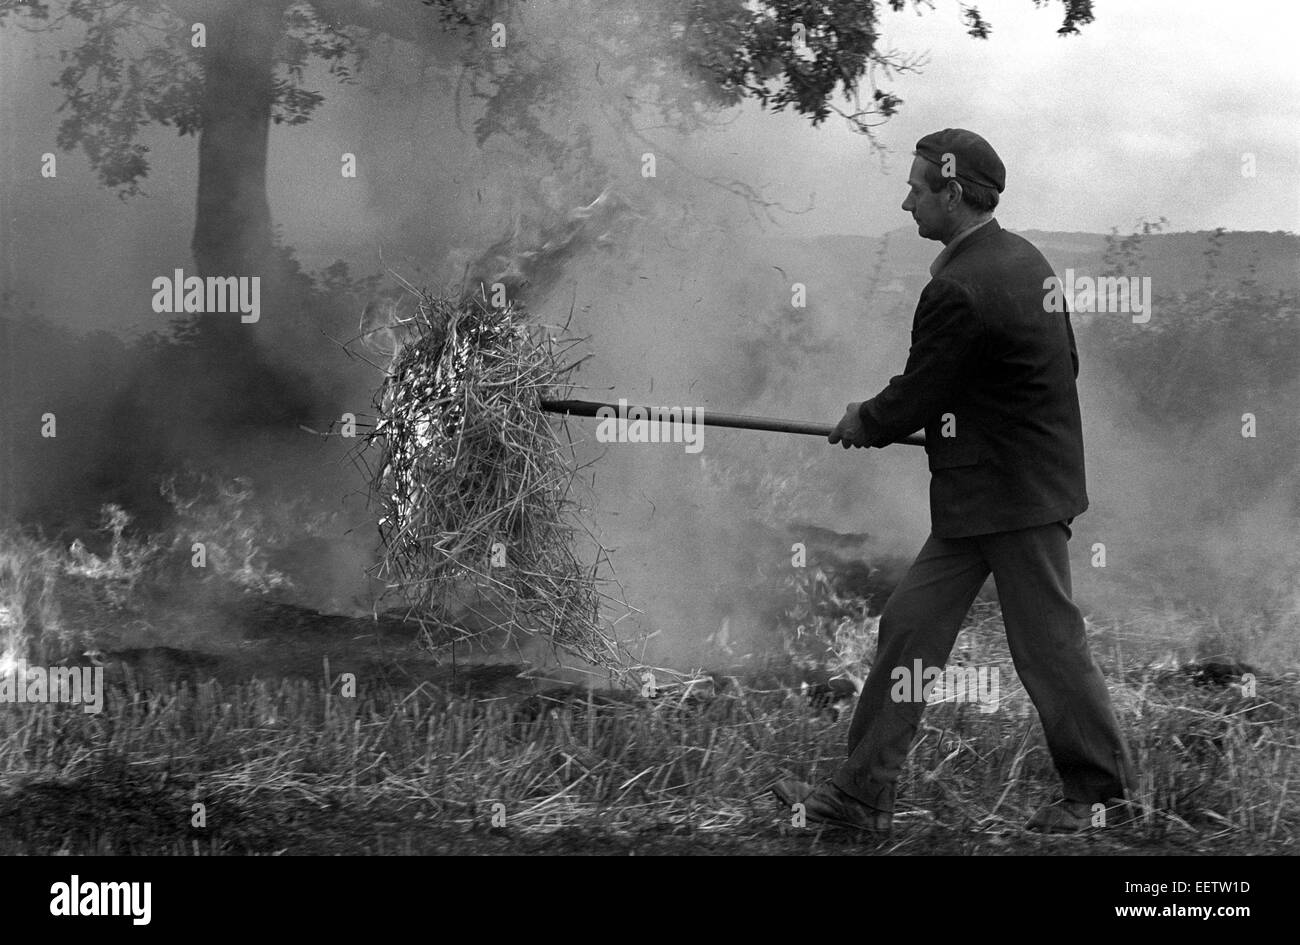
(985, 351)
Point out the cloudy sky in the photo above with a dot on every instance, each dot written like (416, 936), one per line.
(1147, 113)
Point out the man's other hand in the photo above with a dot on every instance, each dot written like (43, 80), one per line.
(850, 430)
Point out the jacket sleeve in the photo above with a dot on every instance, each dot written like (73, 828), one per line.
(945, 342)
(1074, 350)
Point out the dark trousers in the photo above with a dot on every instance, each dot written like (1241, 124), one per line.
(1046, 636)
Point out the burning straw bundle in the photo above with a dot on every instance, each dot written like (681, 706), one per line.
(475, 484)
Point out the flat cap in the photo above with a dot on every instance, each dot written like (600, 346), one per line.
(972, 160)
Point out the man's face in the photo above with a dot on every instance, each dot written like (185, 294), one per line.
(929, 210)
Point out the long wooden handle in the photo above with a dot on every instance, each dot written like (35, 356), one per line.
(590, 408)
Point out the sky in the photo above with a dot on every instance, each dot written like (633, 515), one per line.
(1146, 113)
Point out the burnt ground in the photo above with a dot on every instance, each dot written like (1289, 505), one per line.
(120, 807)
(235, 639)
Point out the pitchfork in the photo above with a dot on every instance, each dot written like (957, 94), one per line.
(589, 408)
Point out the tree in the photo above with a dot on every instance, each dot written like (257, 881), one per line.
(225, 70)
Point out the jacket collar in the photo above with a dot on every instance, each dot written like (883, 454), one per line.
(964, 241)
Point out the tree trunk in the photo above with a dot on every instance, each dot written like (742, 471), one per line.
(236, 385)
(232, 227)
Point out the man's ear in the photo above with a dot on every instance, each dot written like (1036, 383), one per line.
(954, 194)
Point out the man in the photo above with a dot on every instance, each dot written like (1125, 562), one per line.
(990, 376)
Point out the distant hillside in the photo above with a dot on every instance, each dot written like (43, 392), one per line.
(1172, 260)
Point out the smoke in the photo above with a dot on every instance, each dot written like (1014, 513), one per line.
(684, 287)
(1192, 532)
